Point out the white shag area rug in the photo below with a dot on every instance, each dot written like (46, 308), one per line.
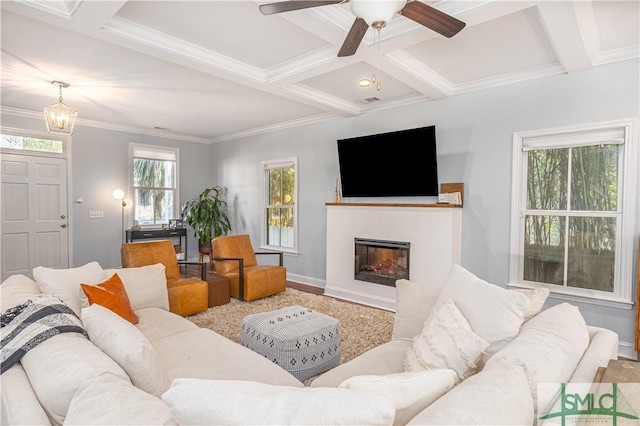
(363, 327)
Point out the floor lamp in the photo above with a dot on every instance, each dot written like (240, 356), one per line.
(118, 194)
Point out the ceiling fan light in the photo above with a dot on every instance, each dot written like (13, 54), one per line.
(365, 82)
(376, 10)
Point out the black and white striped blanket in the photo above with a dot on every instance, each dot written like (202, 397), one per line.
(25, 326)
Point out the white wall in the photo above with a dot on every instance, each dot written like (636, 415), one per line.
(474, 137)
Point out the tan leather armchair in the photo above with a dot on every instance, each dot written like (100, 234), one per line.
(235, 259)
(187, 296)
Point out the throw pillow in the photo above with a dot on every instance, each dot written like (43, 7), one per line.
(414, 301)
(110, 400)
(447, 341)
(127, 346)
(537, 297)
(238, 402)
(549, 347)
(493, 312)
(146, 286)
(412, 392)
(112, 295)
(65, 283)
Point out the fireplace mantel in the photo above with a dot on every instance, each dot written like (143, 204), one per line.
(433, 230)
(437, 205)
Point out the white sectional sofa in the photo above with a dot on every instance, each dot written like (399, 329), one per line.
(165, 370)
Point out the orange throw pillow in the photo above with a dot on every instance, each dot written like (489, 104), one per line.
(112, 295)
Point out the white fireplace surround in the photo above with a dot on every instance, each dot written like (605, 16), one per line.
(433, 231)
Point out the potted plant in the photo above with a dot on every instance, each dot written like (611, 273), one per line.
(207, 216)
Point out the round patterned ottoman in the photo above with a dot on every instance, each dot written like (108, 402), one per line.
(302, 341)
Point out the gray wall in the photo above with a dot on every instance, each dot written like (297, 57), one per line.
(474, 140)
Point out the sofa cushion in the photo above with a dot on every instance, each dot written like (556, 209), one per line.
(65, 283)
(58, 366)
(233, 402)
(18, 403)
(110, 400)
(548, 347)
(112, 295)
(492, 397)
(145, 285)
(413, 305)
(493, 312)
(16, 290)
(412, 392)
(127, 346)
(447, 341)
(387, 358)
(205, 354)
(157, 323)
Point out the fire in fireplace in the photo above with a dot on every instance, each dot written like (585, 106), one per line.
(381, 262)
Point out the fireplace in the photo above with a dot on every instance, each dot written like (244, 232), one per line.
(381, 262)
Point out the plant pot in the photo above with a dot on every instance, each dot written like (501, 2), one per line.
(205, 248)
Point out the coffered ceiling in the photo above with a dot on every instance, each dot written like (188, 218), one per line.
(211, 71)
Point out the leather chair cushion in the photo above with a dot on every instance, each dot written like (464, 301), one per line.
(259, 281)
(233, 246)
(188, 296)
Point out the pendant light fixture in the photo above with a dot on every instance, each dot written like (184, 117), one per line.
(375, 77)
(60, 117)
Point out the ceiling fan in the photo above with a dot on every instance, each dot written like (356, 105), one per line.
(375, 13)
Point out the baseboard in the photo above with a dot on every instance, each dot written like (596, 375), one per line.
(313, 282)
(361, 298)
(627, 350)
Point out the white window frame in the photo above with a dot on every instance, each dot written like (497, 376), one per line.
(265, 167)
(581, 135)
(176, 196)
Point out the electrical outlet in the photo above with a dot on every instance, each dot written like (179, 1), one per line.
(96, 214)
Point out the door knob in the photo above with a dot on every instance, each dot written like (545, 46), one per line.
(64, 225)
(63, 217)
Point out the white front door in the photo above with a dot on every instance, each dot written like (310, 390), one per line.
(34, 217)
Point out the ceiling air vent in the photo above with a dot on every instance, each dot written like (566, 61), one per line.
(371, 99)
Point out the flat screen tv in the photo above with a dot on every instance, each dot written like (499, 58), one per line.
(394, 164)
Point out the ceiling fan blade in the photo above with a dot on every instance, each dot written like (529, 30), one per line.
(355, 36)
(432, 18)
(287, 6)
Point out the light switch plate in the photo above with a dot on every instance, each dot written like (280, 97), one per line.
(96, 214)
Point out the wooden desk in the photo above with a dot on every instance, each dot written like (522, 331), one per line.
(164, 234)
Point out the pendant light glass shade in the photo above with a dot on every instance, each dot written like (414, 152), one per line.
(60, 117)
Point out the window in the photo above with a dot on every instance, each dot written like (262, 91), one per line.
(32, 143)
(280, 229)
(573, 211)
(155, 183)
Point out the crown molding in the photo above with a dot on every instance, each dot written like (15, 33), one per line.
(280, 126)
(323, 98)
(301, 63)
(18, 112)
(161, 41)
(61, 9)
(513, 77)
(420, 71)
(616, 55)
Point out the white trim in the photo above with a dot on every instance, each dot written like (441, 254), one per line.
(129, 215)
(264, 167)
(66, 155)
(362, 298)
(625, 242)
(627, 350)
